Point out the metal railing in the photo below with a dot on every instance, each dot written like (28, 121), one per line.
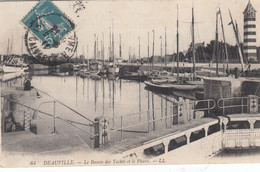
(209, 105)
(73, 123)
(232, 105)
(123, 128)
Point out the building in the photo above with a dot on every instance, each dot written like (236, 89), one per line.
(250, 51)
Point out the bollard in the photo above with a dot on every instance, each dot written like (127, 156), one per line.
(252, 104)
(102, 131)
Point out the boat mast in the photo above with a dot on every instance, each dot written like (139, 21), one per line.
(83, 54)
(95, 49)
(216, 44)
(237, 41)
(161, 52)
(148, 50)
(130, 54)
(225, 46)
(12, 45)
(110, 46)
(153, 51)
(113, 48)
(103, 49)
(193, 40)
(87, 57)
(22, 46)
(177, 36)
(139, 55)
(76, 57)
(165, 49)
(7, 52)
(9, 60)
(120, 46)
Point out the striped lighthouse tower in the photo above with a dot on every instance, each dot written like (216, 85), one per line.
(250, 33)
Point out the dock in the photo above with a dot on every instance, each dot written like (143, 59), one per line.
(26, 142)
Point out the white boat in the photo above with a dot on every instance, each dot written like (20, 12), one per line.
(159, 86)
(200, 84)
(13, 69)
(171, 86)
(184, 87)
(113, 70)
(89, 73)
(9, 76)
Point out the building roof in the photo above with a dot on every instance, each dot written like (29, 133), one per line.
(249, 7)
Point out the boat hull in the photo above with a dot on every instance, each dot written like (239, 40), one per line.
(113, 70)
(182, 87)
(135, 77)
(13, 69)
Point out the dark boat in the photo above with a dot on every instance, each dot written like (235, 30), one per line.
(133, 76)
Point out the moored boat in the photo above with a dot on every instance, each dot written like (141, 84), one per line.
(199, 83)
(133, 76)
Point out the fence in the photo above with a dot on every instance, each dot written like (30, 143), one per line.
(141, 122)
(39, 121)
(169, 119)
(239, 105)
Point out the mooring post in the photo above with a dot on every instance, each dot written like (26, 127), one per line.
(102, 131)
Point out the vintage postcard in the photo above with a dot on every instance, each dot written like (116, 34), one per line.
(107, 83)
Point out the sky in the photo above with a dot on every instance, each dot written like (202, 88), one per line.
(131, 19)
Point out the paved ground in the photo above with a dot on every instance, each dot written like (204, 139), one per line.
(27, 142)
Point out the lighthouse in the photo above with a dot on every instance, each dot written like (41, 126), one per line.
(250, 33)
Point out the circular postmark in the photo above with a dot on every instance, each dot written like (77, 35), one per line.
(50, 28)
(56, 55)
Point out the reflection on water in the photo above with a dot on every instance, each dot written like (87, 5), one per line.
(110, 97)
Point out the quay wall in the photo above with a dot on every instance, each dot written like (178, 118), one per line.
(15, 117)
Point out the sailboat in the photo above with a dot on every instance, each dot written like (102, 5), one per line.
(91, 70)
(225, 73)
(135, 75)
(113, 68)
(175, 85)
(13, 64)
(76, 65)
(83, 67)
(103, 68)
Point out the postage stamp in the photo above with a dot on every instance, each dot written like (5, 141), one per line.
(48, 23)
(52, 56)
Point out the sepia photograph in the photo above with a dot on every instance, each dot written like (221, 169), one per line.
(121, 82)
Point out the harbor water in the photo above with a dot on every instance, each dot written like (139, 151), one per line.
(123, 102)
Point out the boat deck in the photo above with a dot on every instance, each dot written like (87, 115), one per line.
(141, 139)
(244, 116)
